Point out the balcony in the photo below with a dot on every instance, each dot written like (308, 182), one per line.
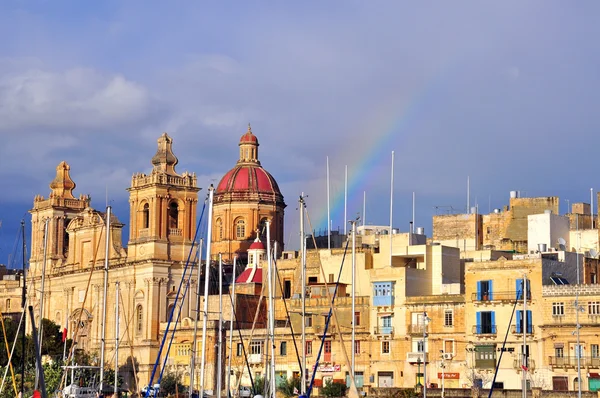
(384, 330)
(383, 301)
(175, 232)
(255, 359)
(518, 363)
(485, 330)
(416, 357)
(498, 297)
(320, 329)
(519, 330)
(571, 362)
(417, 329)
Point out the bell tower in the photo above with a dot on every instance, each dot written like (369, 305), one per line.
(59, 209)
(162, 209)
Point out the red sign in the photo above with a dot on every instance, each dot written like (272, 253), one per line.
(449, 375)
(329, 368)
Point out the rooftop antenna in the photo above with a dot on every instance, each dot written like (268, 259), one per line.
(364, 215)
(592, 206)
(468, 195)
(561, 244)
(328, 212)
(413, 215)
(391, 208)
(345, 198)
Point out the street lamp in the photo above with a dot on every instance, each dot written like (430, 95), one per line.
(426, 320)
(418, 385)
(443, 366)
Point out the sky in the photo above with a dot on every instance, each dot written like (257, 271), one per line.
(505, 93)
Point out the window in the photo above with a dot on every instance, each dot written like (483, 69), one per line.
(139, 318)
(484, 290)
(8, 304)
(485, 356)
(357, 319)
(559, 352)
(385, 324)
(486, 322)
(256, 347)
(449, 346)
(520, 319)
(146, 216)
(327, 346)
(420, 345)
(240, 229)
(383, 293)
(357, 346)
(385, 347)
(558, 309)
(173, 215)
(283, 348)
(287, 288)
(579, 350)
(309, 348)
(239, 349)
(594, 308)
(519, 289)
(331, 278)
(262, 229)
(595, 350)
(448, 318)
(308, 321)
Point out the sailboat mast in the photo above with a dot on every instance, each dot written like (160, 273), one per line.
(303, 295)
(23, 302)
(103, 330)
(353, 299)
(41, 325)
(116, 390)
(206, 278)
(391, 208)
(328, 211)
(232, 317)
(271, 310)
(524, 330)
(345, 199)
(195, 343)
(220, 341)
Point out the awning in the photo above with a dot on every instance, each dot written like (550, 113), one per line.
(593, 375)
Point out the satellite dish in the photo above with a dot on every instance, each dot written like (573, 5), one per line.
(593, 253)
(561, 244)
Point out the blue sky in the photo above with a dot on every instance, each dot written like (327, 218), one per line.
(506, 92)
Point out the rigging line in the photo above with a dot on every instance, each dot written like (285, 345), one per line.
(287, 313)
(176, 298)
(82, 308)
(176, 322)
(244, 353)
(332, 300)
(523, 329)
(12, 372)
(12, 350)
(353, 390)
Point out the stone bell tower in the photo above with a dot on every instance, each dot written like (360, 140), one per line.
(162, 209)
(59, 209)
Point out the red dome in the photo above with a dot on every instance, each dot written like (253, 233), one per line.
(249, 138)
(248, 178)
(257, 246)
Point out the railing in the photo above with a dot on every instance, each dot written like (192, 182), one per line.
(416, 357)
(175, 231)
(384, 330)
(591, 362)
(506, 296)
(484, 329)
(417, 329)
(519, 330)
(254, 359)
(518, 363)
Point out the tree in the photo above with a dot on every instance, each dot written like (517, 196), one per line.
(170, 384)
(336, 389)
(289, 387)
(259, 385)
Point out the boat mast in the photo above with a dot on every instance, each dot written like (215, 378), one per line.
(103, 330)
(353, 298)
(195, 343)
(303, 295)
(220, 336)
(231, 327)
(391, 208)
(271, 309)
(116, 390)
(328, 211)
(23, 302)
(41, 325)
(524, 330)
(206, 278)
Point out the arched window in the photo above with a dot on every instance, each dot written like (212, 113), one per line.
(240, 229)
(262, 229)
(173, 215)
(219, 229)
(146, 216)
(139, 316)
(169, 310)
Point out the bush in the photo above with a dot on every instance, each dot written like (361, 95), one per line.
(286, 387)
(336, 389)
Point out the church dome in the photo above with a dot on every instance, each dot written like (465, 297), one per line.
(248, 177)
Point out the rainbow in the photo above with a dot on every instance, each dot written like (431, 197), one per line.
(388, 125)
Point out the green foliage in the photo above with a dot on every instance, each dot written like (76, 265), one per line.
(286, 387)
(259, 385)
(170, 384)
(52, 376)
(336, 389)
